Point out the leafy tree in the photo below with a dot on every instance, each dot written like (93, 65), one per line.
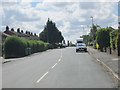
(94, 30)
(113, 38)
(51, 34)
(118, 44)
(87, 39)
(103, 38)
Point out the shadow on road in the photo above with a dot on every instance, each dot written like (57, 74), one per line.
(82, 52)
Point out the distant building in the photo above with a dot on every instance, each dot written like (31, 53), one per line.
(19, 33)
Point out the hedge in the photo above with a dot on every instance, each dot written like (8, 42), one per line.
(18, 47)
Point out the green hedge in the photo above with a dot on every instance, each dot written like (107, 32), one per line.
(18, 47)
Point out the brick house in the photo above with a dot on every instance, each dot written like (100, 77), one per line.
(19, 33)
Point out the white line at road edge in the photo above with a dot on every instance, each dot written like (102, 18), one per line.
(54, 65)
(115, 75)
(42, 77)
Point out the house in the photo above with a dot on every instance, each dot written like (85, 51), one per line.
(19, 33)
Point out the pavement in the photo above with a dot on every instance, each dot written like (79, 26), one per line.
(58, 68)
(110, 62)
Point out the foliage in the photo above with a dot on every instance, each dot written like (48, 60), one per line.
(103, 37)
(19, 47)
(113, 39)
(14, 47)
(118, 43)
(51, 34)
(87, 39)
(93, 31)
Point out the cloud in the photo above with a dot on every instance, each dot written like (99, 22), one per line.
(68, 16)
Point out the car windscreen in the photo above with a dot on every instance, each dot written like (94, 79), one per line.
(80, 44)
(79, 41)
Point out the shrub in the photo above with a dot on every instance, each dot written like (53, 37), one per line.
(14, 47)
(19, 47)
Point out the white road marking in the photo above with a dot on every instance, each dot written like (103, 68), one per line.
(61, 56)
(98, 60)
(54, 65)
(114, 74)
(42, 77)
(59, 60)
(115, 59)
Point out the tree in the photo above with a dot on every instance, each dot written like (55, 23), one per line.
(118, 42)
(113, 39)
(87, 39)
(103, 38)
(94, 30)
(51, 34)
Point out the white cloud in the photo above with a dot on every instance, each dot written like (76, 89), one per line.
(68, 16)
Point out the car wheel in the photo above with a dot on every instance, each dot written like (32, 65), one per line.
(85, 50)
(76, 50)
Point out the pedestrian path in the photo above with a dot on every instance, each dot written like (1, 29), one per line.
(107, 60)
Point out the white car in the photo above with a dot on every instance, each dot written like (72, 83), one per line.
(81, 47)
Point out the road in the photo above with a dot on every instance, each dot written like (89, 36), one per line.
(58, 68)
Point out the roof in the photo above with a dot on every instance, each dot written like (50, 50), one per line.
(79, 39)
(21, 34)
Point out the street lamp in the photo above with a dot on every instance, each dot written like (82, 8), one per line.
(92, 20)
(92, 31)
(118, 39)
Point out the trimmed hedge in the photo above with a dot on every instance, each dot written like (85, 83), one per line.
(18, 47)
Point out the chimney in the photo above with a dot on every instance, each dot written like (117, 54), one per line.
(22, 31)
(7, 28)
(26, 32)
(18, 30)
(34, 34)
(12, 29)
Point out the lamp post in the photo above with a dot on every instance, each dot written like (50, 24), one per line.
(92, 25)
(92, 31)
(118, 39)
(92, 20)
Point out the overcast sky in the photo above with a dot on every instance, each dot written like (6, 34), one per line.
(71, 18)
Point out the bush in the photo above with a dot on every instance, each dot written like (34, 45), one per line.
(14, 47)
(19, 47)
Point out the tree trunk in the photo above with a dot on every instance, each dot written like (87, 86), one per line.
(110, 51)
(101, 49)
(105, 49)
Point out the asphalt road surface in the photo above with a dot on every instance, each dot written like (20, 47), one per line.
(58, 68)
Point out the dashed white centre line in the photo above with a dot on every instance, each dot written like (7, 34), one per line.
(42, 77)
(48, 72)
(59, 60)
(54, 65)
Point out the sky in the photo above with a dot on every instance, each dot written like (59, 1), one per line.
(71, 18)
